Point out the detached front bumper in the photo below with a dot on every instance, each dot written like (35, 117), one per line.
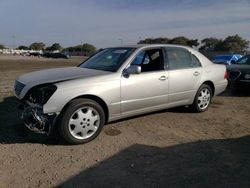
(37, 121)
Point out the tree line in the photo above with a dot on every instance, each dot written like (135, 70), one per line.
(86, 48)
(233, 43)
(2, 46)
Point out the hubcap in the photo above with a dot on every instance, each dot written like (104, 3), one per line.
(84, 122)
(204, 98)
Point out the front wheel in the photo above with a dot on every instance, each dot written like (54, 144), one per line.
(82, 121)
(202, 99)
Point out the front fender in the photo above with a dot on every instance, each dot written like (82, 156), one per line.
(108, 91)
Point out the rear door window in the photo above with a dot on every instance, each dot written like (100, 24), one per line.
(179, 58)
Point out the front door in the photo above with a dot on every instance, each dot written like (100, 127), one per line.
(149, 89)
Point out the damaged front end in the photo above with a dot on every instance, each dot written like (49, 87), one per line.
(36, 121)
(33, 116)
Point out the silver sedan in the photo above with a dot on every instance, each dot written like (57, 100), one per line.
(116, 83)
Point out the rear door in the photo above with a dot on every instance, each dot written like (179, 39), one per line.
(184, 74)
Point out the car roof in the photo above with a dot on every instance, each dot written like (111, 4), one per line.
(203, 59)
(151, 46)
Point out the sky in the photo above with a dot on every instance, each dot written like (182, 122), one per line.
(105, 22)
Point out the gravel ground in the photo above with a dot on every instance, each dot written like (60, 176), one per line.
(170, 148)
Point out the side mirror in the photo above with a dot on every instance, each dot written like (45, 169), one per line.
(132, 69)
(233, 62)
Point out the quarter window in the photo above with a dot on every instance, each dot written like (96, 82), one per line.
(195, 61)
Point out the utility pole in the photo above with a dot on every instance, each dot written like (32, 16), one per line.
(81, 49)
(139, 39)
(13, 41)
(121, 41)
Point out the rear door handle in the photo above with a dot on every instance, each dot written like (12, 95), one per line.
(162, 78)
(196, 73)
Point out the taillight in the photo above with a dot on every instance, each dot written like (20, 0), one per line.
(226, 75)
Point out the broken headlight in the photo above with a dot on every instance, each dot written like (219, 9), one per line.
(40, 94)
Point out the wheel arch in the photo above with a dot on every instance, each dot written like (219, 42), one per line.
(211, 85)
(95, 98)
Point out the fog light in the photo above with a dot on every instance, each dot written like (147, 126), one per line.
(247, 76)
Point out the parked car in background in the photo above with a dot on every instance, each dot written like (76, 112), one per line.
(35, 54)
(55, 55)
(25, 54)
(226, 59)
(117, 83)
(239, 73)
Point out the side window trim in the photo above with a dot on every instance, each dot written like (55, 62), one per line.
(165, 59)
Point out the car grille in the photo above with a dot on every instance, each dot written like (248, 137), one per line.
(18, 87)
(233, 75)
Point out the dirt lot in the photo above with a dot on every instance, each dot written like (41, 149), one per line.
(171, 148)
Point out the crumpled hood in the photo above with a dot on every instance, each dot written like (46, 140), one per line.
(32, 79)
(58, 74)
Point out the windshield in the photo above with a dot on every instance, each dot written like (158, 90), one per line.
(222, 58)
(109, 59)
(244, 60)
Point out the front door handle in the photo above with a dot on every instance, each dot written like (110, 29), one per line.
(196, 73)
(162, 78)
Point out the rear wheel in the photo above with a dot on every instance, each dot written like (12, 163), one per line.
(202, 99)
(82, 121)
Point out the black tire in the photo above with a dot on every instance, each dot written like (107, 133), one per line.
(69, 111)
(195, 106)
